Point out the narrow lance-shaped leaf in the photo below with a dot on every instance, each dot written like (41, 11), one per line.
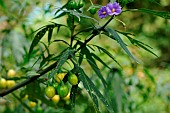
(94, 66)
(46, 47)
(154, 1)
(118, 91)
(100, 60)
(162, 14)
(63, 58)
(2, 5)
(149, 75)
(41, 33)
(107, 53)
(73, 94)
(62, 41)
(145, 48)
(60, 15)
(79, 15)
(50, 32)
(139, 43)
(87, 86)
(91, 88)
(81, 56)
(120, 41)
(37, 38)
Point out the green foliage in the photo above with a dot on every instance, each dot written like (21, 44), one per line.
(75, 41)
(114, 34)
(162, 14)
(90, 87)
(41, 33)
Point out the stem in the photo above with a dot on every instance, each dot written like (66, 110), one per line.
(91, 2)
(72, 31)
(86, 41)
(107, 23)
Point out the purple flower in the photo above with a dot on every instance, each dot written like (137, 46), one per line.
(103, 12)
(113, 9)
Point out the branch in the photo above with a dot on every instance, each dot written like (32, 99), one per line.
(29, 80)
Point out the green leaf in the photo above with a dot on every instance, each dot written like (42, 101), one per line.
(60, 9)
(149, 75)
(32, 73)
(87, 86)
(73, 57)
(50, 32)
(145, 48)
(60, 15)
(120, 41)
(154, 1)
(100, 60)
(118, 91)
(46, 47)
(81, 56)
(37, 38)
(162, 14)
(139, 43)
(70, 21)
(107, 53)
(92, 90)
(79, 15)
(95, 99)
(62, 41)
(62, 59)
(41, 33)
(93, 65)
(2, 4)
(74, 90)
(45, 61)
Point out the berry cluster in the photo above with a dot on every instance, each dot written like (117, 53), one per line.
(59, 89)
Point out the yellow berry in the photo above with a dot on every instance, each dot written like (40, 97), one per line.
(10, 83)
(59, 77)
(11, 73)
(56, 98)
(32, 104)
(25, 97)
(3, 83)
(67, 97)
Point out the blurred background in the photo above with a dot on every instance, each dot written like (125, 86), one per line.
(134, 88)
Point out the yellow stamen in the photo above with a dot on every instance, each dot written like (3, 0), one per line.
(113, 10)
(104, 13)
